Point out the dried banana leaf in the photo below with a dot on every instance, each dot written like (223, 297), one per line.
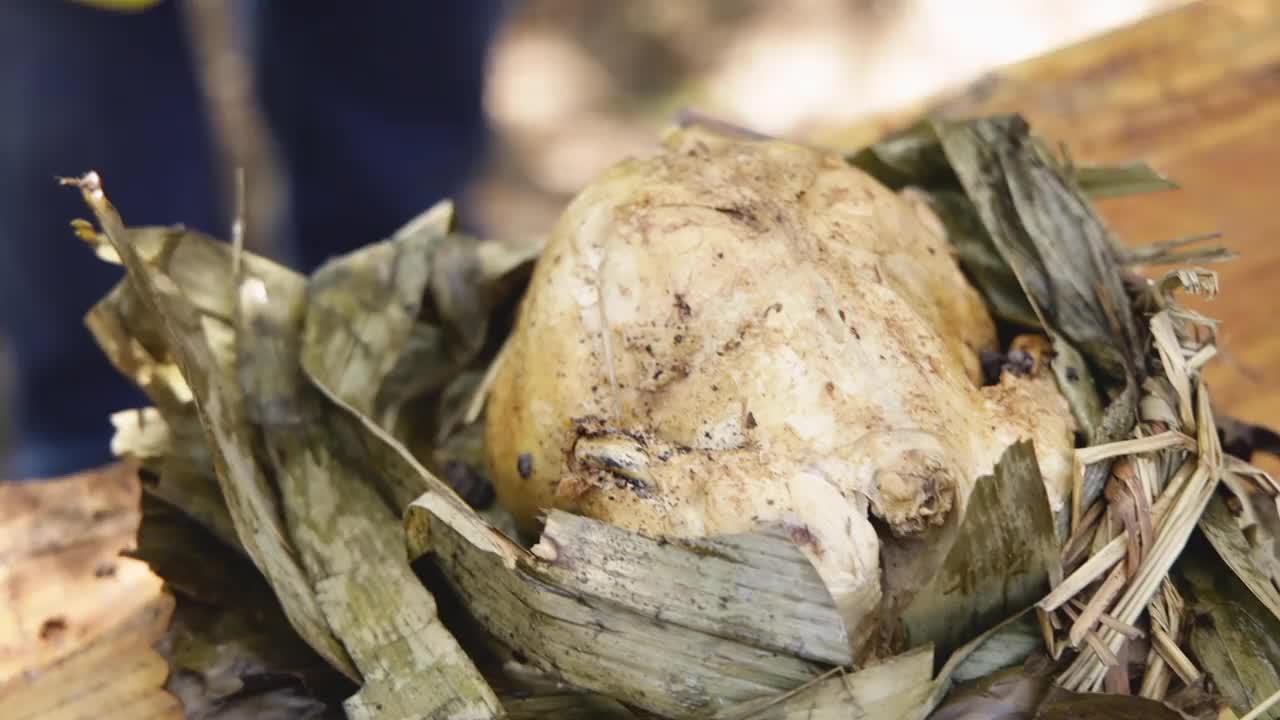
(911, 157)
(1012, 693)
(194, 316)
(1051, 238)
(1255, 563)
(347, 538)
(1007, 645)
(978, 255)
(998, 648)
(391, 331)
(402, 318)
(1017, 694)
(169, 439)
(898, 687)
(1171, 252)
(1102, 181)
(1026, 692)
(1002, 560)
(178, 468)
(1235, 638)
(642, 655)
(329, 545)
(915, 157)
(567, 706)
(231, 651)
(457, 448)
(383, 285)
(765, 591)
(901, 686)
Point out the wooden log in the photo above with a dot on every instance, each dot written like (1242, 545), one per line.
(79, 623)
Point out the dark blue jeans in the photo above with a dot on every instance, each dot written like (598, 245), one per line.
(375, 107)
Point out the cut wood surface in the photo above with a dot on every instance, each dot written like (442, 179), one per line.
(78, 622)
(1195, 92)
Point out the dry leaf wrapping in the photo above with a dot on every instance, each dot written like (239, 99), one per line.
(739, 333)
(81, 628)
(852, 476)
(329, 544)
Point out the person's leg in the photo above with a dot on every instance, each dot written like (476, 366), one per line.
(84, 89)
(376, 108)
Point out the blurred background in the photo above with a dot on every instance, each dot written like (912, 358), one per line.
(576, 84)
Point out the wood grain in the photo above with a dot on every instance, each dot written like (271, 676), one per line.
(78, 622)
(1195, 92)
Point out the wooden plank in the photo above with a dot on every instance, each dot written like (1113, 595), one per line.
(79, 623)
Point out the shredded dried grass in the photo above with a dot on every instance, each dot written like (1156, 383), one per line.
(1122, 546)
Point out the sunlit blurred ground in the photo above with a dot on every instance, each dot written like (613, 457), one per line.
(577, 84)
